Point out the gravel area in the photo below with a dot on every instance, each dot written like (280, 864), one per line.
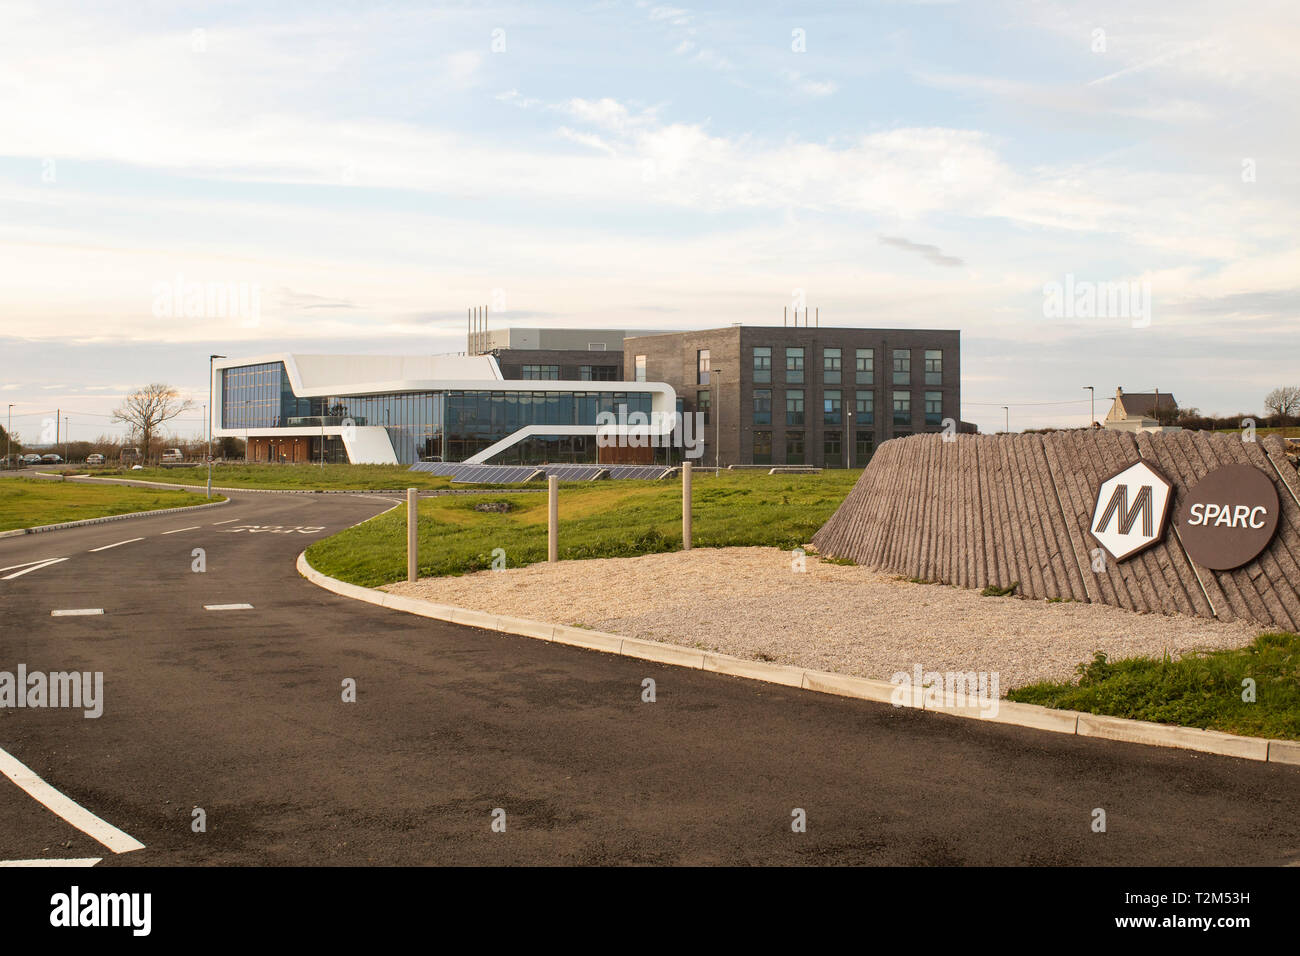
(748, 602)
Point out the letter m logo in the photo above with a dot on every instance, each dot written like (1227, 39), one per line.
(1128, 516)
(1130, 511)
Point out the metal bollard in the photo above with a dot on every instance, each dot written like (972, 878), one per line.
(412, 537)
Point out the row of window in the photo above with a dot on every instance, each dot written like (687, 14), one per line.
(864, 366)
(586, 373)
(832, 407)
(832, 449)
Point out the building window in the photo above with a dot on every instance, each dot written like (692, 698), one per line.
(762, 365)
(902, 366)
(704, 403)
(794, 366)
(832, 407)
(832, 449)
(934, 408)
(598, 373)
(794, 448)
(702, 367)
(540, 372)
(866, 447)
(640, 368)
(762, 406)
(866, 366)
(762, 448)
(866, 408)
(933, 366)
(902, 410)
(831, 359)
(794, 406)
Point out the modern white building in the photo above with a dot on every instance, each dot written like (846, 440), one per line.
(391, 409)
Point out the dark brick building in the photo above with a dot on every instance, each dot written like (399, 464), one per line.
(816, 396)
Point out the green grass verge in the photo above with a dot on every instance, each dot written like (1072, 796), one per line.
(329, 477)
(1198, 690)
(597, 520)
(27, 502)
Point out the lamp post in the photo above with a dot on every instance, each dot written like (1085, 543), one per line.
(717, 421)
(9, 437)
(1092, 395)
(208, 414)
(65, 438)
(1007, 409)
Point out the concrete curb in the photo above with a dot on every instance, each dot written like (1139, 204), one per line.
(40, 528)
(843, 685)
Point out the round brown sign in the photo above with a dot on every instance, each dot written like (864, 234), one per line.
(1228, 517)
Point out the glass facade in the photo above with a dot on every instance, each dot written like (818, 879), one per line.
(538, 373)
(260, 396)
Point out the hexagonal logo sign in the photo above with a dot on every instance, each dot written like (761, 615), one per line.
(1132, 510)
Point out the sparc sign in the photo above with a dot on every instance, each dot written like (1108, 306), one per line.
(1229, 517)
(1132, 510)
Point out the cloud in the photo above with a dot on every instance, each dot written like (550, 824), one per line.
(930, 253)
(812, 87)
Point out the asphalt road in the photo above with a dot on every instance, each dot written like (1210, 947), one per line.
(240, 713)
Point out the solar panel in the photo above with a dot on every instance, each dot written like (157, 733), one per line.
(467, 473)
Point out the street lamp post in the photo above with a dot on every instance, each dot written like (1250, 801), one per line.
(9, 436)
(208, 414)
(65, 438)
(1092, 395)
(717, 421)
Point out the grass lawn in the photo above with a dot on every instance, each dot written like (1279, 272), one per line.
(340, 477)
(26, 502)
(1199, 690)
(597, 520)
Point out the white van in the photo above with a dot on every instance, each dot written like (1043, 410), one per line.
(173, 454)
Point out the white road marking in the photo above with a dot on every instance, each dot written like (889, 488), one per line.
(26, 563)
(72, 812)
(43, 564)
(87, 861)
(118, 545)
(227, 521)
(227, 607)
(179, 530)
(77, 612)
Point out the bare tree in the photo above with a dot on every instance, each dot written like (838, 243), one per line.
(146, 409)
(1283, 402)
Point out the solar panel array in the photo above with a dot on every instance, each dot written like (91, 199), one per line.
(508, 474)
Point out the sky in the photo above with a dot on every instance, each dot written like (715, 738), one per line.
(352, 177)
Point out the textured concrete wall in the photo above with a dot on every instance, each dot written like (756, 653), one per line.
(997, 509)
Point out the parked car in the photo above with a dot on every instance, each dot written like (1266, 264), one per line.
(95, 459)
(31, 459)
(172, 455)
(52, 459)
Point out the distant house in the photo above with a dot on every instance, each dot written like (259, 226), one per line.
(1137, 412)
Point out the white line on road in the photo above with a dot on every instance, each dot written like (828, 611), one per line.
(118, 545)
(77, 612)
(87, 861)
(25, 563)
(227, 521)
(74, 813)
(227, 607)
(179, 530)
(43, 564)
